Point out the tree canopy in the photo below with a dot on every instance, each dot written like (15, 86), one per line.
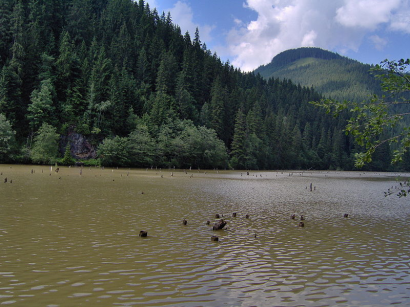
(383, 121)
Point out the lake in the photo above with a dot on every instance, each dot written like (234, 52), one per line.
(72, 238)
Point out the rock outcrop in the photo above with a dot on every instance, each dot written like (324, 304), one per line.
(80, 146)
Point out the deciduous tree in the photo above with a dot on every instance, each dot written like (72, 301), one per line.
(371, 123)
(45, 148)
(7, 139)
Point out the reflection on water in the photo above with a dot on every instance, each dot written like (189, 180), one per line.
(72, 240)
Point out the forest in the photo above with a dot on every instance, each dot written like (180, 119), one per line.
(144, 94)
(327, 72)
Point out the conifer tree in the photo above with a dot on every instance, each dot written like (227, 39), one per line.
(217, 107)
(6, 9)
(238, 144)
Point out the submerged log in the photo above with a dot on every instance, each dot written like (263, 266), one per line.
(219, 225)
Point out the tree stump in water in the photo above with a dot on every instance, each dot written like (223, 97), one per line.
(219, 225)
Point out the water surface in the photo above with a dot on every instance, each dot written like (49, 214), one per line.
(71, 238)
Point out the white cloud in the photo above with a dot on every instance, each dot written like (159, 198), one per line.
(182, 15)
(309, 39)
(152, 3)
(338, 25)
(366, 14)
(237, 21)
(378, 42)
(401, 20)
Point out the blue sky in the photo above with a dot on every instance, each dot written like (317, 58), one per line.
(249, 33)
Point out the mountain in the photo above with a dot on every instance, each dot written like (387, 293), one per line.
(327, 72)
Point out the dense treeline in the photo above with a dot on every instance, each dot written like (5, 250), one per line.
(126, 77)
(292, 55)
(329, 73)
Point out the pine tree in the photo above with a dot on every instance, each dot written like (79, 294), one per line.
(217, 107)
(98, 91)
(67, 159)
(166, 74)
(6, 9)
(185, 103)
(4, 91)
(15, 73)
(238, 152)
(143, 67)
(67, 71)
(336, 157)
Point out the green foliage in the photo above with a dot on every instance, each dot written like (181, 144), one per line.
(41, 109)
(329, 73)
(397, 79)
(45, 148)
(146, 94)
(178, 144)
(142, 147)
(182, 144)
(203, 148)
(67, 159)
(92, 162)
(238, 143)
(372, 123)
(218, 101)
(114, 151)
(7, 141)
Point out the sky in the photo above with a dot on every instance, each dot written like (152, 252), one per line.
(249, 33)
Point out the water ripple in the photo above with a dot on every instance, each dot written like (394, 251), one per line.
(83, 248)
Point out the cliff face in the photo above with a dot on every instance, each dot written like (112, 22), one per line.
(80, 147)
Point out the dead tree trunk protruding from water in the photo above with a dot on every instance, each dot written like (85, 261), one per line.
(219, 225)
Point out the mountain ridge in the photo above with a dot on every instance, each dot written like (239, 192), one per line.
(327, 72)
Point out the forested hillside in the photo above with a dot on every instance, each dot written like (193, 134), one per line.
(144, 94)
(327, 72)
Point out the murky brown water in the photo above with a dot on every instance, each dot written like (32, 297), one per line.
(71, 240)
